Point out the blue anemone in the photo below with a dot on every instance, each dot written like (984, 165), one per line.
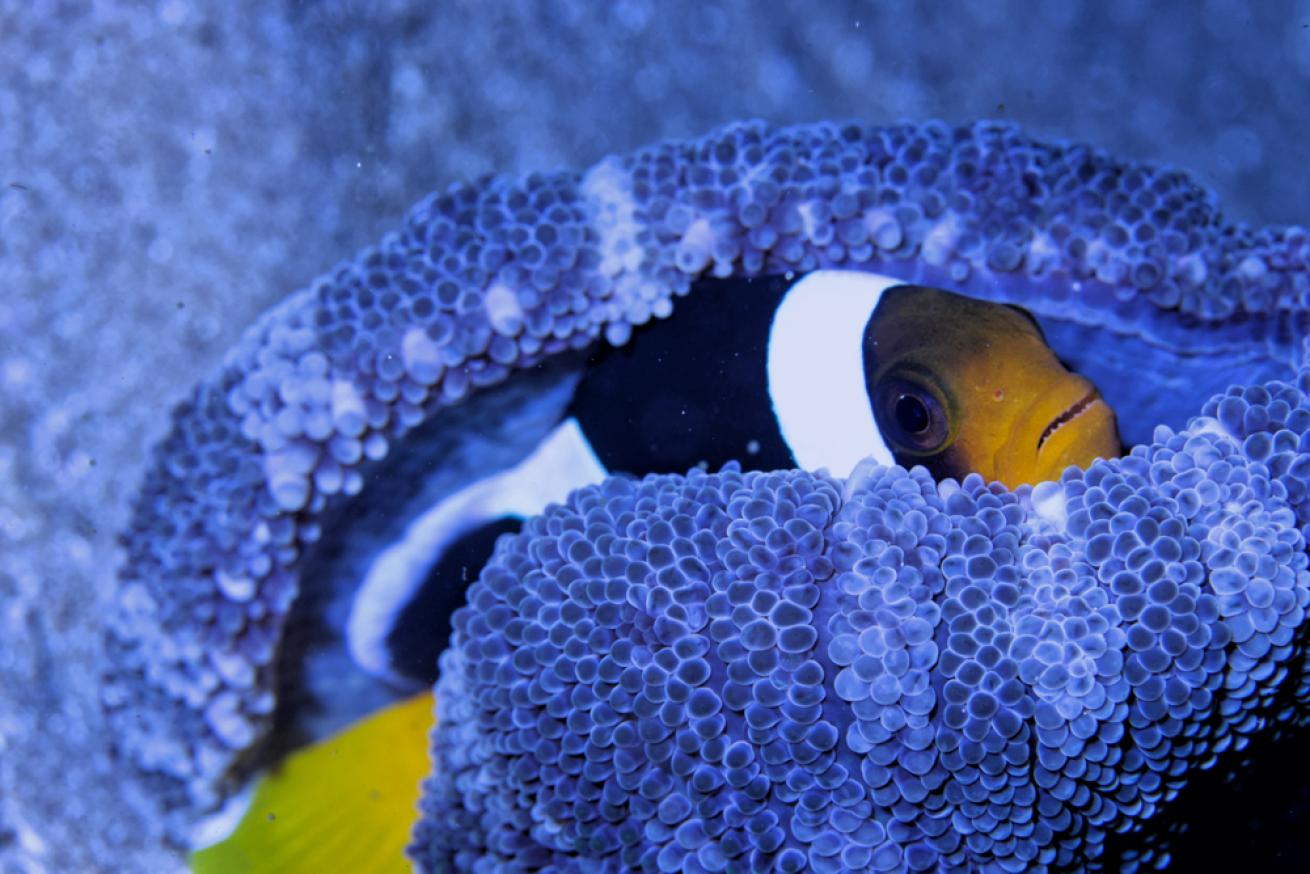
(909, 675)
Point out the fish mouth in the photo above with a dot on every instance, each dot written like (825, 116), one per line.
(1068, 416)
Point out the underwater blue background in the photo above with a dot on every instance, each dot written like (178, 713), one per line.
(168, 173)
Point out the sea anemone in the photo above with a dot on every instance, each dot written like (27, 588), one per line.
(760, 669)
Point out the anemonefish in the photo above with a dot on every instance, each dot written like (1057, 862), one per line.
(815, 371)
(961, 385)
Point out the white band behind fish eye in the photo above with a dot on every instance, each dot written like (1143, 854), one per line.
(816, 370)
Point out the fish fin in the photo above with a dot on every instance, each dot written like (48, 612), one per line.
(345, 803)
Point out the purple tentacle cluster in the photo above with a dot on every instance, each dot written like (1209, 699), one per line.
(782, 672)
(489, 279)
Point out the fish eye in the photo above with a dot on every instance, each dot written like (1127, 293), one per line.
(912, 416)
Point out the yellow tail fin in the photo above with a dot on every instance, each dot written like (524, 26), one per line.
(346, 803)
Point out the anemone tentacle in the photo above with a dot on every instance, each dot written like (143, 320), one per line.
(784, 672)
(487, 280)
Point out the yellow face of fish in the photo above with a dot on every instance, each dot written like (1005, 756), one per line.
(961, 385)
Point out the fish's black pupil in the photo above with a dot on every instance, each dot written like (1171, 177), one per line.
(911, 414)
